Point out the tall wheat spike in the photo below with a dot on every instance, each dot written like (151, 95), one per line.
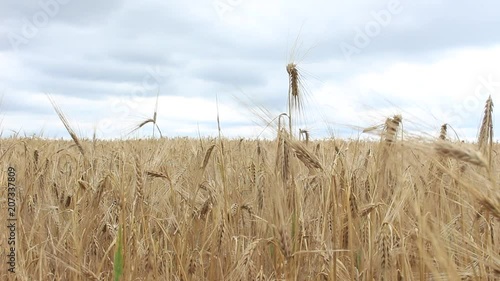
(150, 120)
(391, 128)
(485, 140)
(294, 96)
(67, 126)
(442, 133)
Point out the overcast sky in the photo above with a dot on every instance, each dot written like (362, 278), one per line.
(103, 63)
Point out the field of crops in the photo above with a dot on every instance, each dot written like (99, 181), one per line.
(283, 209)
(291, 208)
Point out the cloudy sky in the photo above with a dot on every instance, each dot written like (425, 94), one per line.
(104, 62)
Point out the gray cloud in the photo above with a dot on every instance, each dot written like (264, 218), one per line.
(244, 74)
(68, 11)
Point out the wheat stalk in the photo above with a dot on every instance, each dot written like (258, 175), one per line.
(385, 245)
(244, 261)
(207, 157)
(462, 153)
(283, 156)
(305, 156)
(485, 140)
(442, 133)
(67, 126)
(391, 128)
(284, 242)
(139, 180)
(156, 174)
(294, 96)
(305, 133)
(150, 120)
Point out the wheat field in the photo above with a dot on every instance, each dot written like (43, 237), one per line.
(219, 209)
(399, 208)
